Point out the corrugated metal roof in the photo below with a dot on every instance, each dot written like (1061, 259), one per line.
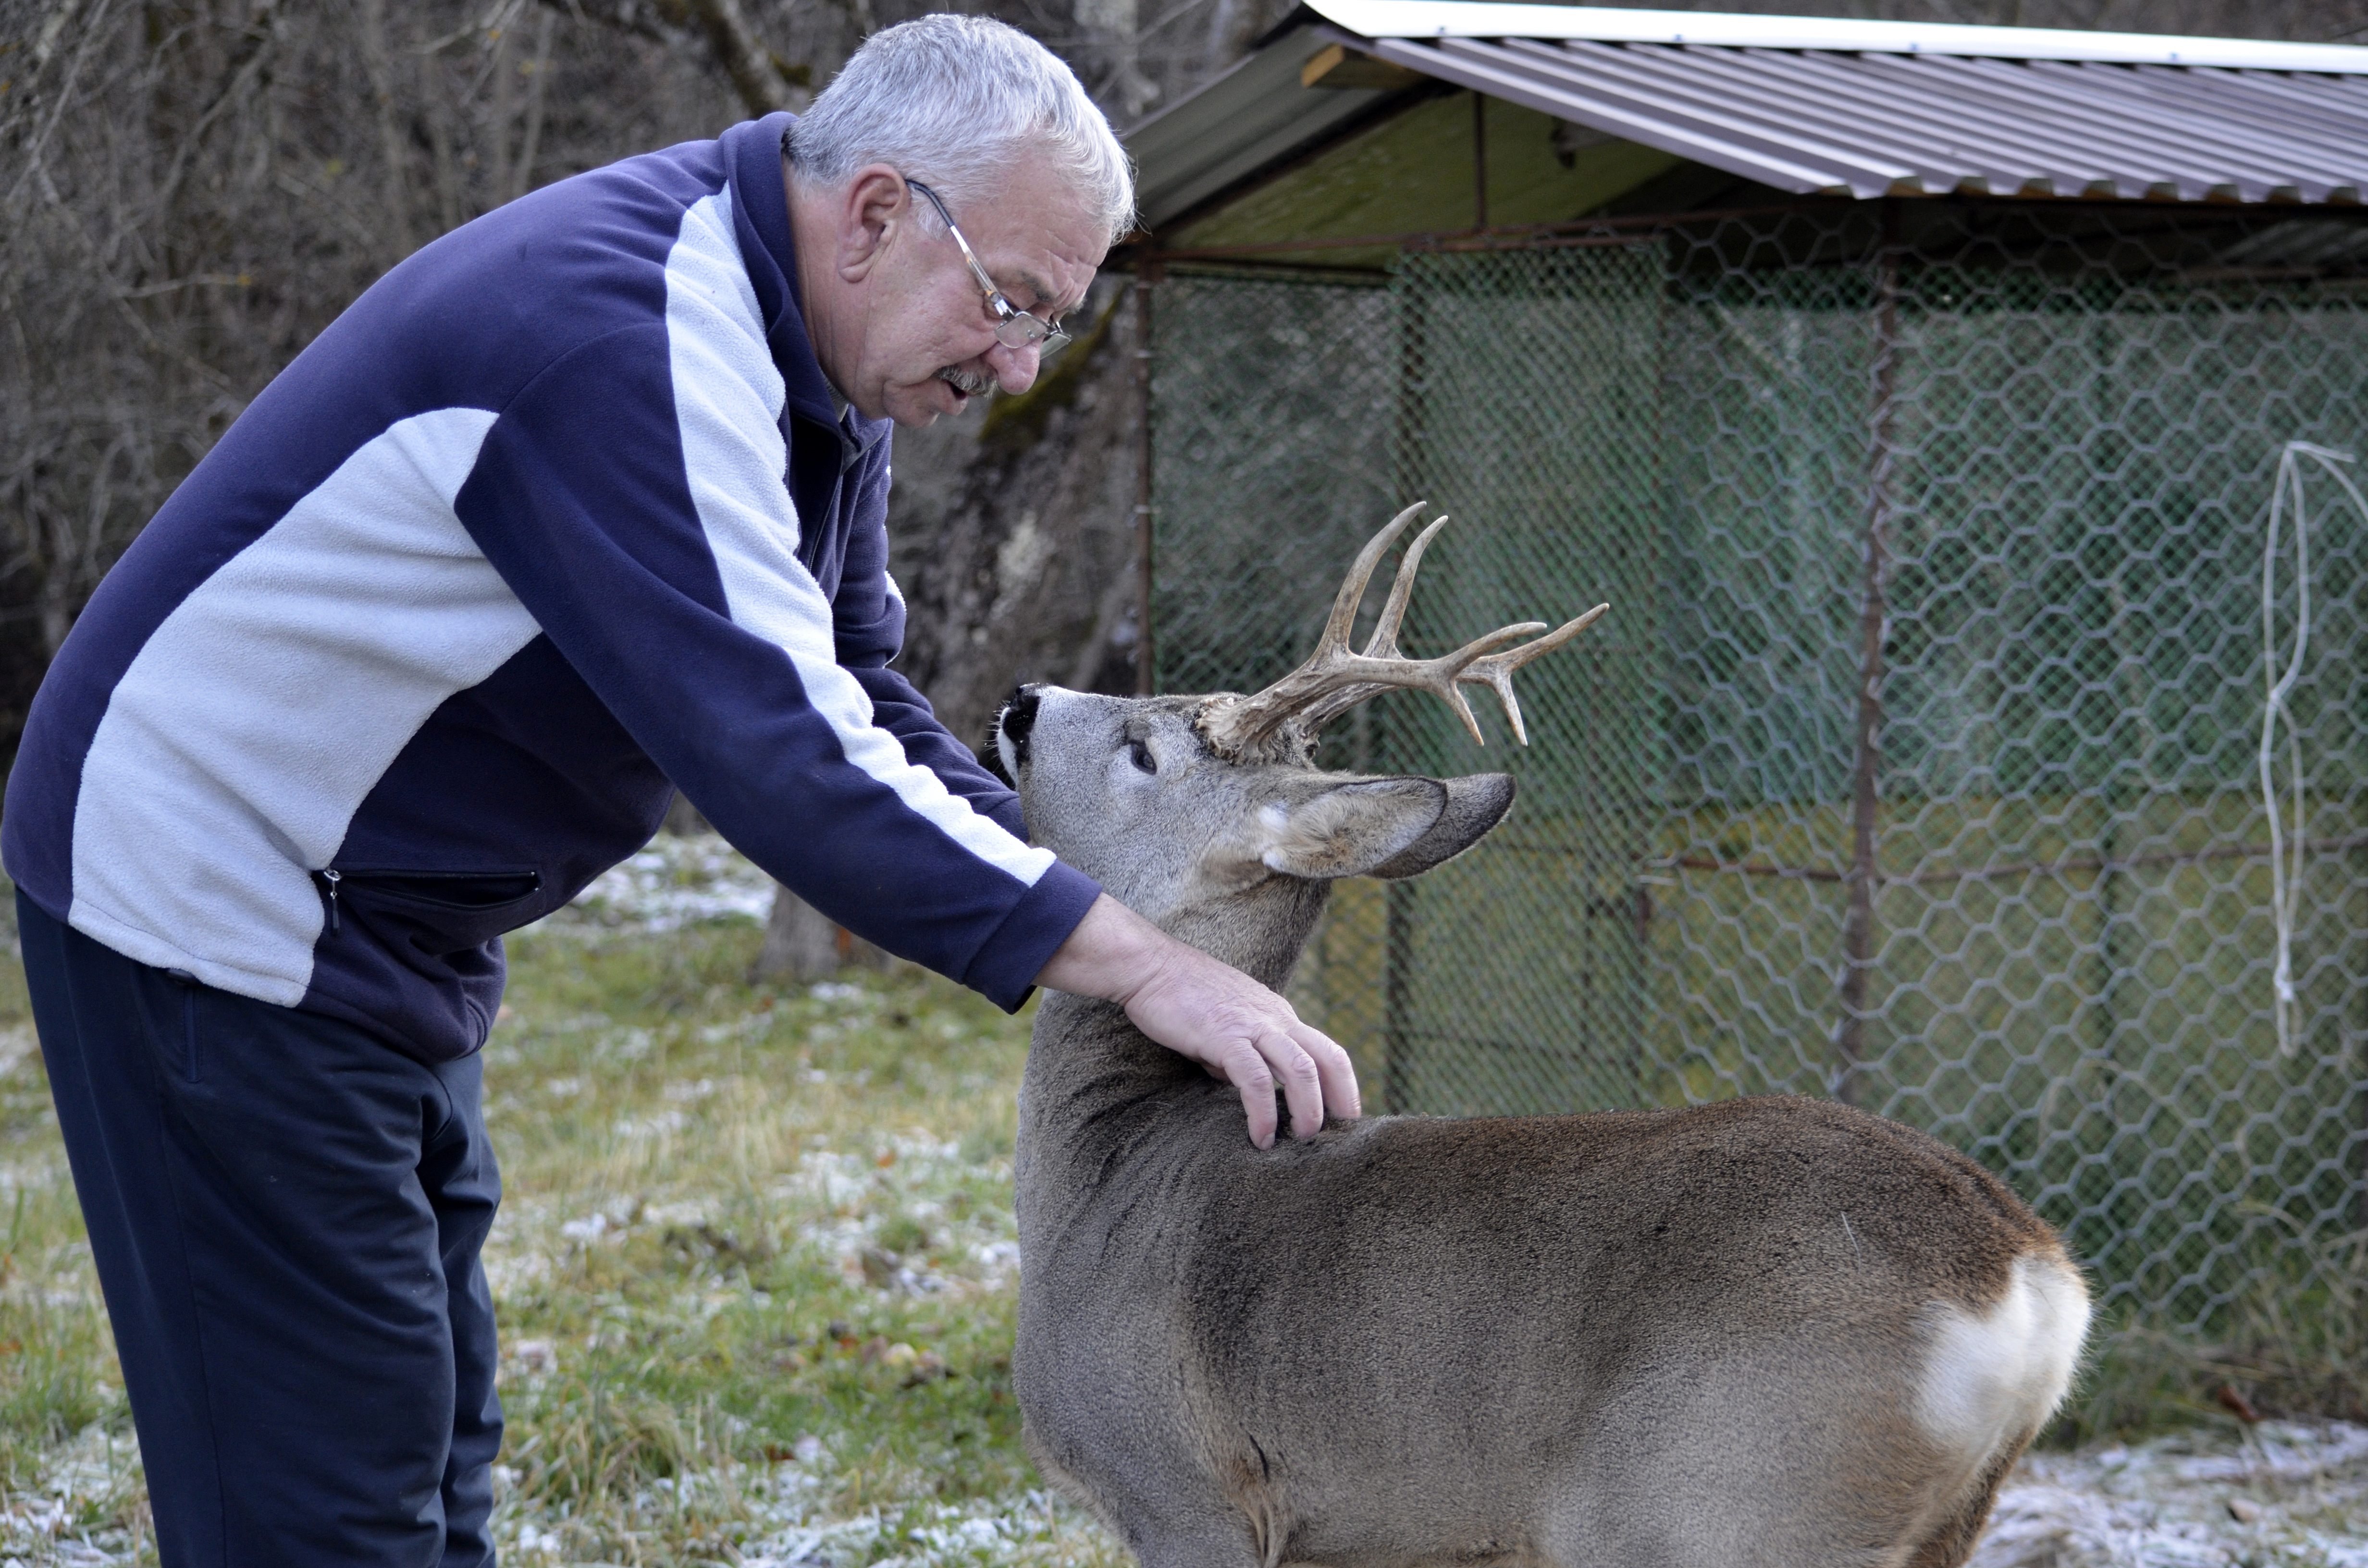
(1605, 24)
(1872, 125)
(1241, 122)
(1871, 109)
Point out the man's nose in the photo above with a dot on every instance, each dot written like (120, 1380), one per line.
(1015, 368)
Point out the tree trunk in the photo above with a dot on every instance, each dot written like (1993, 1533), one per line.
(1012, 534)
(801, 943)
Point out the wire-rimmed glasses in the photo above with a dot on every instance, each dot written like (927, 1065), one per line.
(1014, 328)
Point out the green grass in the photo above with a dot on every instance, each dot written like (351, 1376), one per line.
(755, 1268)
(2296, 1345)
(756, 1271)
(68, 1465)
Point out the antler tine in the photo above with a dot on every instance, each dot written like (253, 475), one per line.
(1438, 675)
(1279, 722)
(1343, 618)
(1496, 670)
(1384, 643)
(1234, 726)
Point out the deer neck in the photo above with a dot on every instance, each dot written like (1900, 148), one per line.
(1099, 1102)
(1099, 1095)
(1088, 1064)
(1260, 929)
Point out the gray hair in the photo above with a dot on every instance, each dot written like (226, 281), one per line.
(955, 102)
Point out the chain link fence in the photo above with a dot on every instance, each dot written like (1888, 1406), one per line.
(1917, 762)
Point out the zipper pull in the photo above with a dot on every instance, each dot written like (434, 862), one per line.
(333, 877)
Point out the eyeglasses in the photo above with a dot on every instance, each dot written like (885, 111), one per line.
(1014, 328)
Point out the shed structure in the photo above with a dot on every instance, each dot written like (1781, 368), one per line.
(1916, 396)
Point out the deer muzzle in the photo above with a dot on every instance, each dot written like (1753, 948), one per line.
(1008, 737)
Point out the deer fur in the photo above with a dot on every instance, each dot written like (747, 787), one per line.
(1773, 1330)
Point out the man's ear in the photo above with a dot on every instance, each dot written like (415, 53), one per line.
(1474, 806)
(875, 207)
(1345, 830)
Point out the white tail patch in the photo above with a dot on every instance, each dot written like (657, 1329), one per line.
(1993, 1379)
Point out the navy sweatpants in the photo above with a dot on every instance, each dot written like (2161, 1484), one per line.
(286, 1215)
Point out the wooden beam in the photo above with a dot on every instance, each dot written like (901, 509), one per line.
(1338, 66)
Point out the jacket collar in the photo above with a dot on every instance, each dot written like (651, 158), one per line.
(760, 214)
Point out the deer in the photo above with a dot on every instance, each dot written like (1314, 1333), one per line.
(1769, 1331)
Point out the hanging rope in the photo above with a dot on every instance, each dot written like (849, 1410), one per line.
(2286, 847)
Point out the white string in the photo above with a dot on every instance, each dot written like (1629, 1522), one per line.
(2286, 850)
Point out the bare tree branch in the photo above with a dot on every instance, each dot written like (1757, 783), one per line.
(746, 62)
(522, 179)
(243, 70)
(34, 146)
(378, 59)
(660, 21)
(748, 65)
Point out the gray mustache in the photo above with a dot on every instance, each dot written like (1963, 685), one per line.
(970, 384)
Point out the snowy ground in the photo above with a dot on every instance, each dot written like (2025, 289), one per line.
(2282, 1494)
(676, 880)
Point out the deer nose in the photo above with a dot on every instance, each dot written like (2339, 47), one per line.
(1017, 717)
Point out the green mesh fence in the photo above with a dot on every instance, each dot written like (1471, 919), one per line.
(2001, 869)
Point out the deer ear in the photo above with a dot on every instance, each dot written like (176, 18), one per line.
(1474, 806)
(1346, 830)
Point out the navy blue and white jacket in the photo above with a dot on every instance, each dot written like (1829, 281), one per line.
(559, 514)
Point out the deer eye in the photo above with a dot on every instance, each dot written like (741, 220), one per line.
(1139, 754)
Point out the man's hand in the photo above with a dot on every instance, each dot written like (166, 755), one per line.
(1210, 1012)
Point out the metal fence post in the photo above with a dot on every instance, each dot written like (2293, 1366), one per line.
(1147, 272)
(1479, 159)
(1858, 926)
(1398, 931)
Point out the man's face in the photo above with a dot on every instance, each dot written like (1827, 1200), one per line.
(925, 344)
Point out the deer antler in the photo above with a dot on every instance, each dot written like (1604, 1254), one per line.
(1334, 679)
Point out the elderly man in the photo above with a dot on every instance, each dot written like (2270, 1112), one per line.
(582, 502)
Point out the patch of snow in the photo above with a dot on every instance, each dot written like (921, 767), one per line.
(2284, 1494)
(74, 1510)
(658, 1126)
(998, 1263)
(942, 1537)
(676, 880)
(590, 1228)
(17, 1046)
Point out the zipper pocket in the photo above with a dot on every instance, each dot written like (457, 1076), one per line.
(457, 890)
(432, 912)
